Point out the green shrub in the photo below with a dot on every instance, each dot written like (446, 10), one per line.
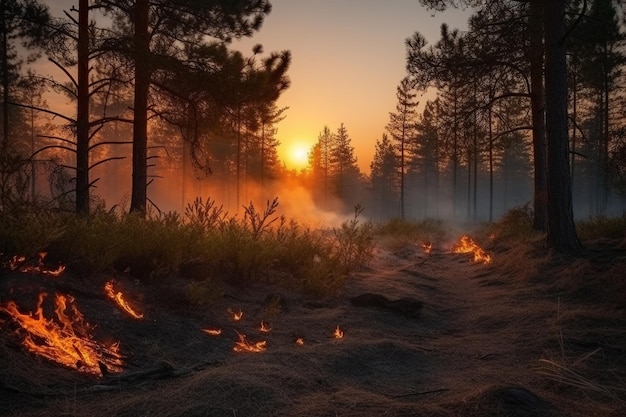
(353, 243)
(397, 233)
(29, 232)
(516, 223)
(602, 227)
(206, 246)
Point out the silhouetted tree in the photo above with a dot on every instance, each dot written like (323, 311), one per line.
(428, 154)
(344, 169)
(401, 127)
(384, 178)
(561, 229)
(159, 32)
(326, 144)
(596, 60)
(21, 23)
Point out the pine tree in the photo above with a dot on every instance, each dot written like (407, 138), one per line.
(161, 34)
(384, 178)
(345, 172)
(428, 154)
(401, 127)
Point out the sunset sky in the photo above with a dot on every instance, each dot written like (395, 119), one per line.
(348, 56)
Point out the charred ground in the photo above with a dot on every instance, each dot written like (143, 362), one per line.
(531, 334)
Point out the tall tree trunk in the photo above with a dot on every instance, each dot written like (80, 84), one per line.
(561, 229)
(5, 78)
(402, 174)
(82, 116)
(139, 193)
(455, 155)
(490, 118)
(540, 222)
(605, 143)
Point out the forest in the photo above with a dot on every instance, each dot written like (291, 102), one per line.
(159, 102)
(158, 258)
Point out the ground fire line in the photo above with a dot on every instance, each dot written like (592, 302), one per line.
(120, 301)
(467, 245)
(66, 340)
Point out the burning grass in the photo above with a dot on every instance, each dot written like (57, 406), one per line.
(66, 340)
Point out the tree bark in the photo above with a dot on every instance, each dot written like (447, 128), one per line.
(540, 222)
(5, 79)
(140, 126)
(82, 114)
(561, 229)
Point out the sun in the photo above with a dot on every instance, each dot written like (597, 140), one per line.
(298, 155)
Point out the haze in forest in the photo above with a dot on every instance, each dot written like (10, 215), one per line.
(391, 109)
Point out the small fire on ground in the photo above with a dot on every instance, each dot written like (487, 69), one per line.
(119, 300)
(467, 245)
(427, 247)
(212, 331)
(18, 263)
(338, 333)
(235, 315)
(242, 345)
(67, 339)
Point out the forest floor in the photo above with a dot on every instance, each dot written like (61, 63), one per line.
(531, 334)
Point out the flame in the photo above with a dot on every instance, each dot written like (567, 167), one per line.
(118, 298)
(17, 263)
(427, 247)
(53, 272)
(265, 327)
(212, 331)
(338, 333)
(299, 341)
(65, 341)
(467, 245)
(242, 345)
(235, 315)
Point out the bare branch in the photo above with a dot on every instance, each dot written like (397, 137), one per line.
(113, 158)
(27, 106)
(65, 71)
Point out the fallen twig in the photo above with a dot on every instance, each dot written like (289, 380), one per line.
(408, 394)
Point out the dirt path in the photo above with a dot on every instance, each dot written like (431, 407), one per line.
(473, 325)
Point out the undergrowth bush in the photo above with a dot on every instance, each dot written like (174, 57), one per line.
(397, 233)
(28, 232)
(602, 227)
(205, 246)
(516, 223)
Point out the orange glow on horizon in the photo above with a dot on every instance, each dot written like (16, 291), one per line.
(296, 155)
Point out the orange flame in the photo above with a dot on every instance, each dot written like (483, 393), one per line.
(118, 298)
(265, 327)
(212, 331)
(427, 247)
(299, 341)
(17, 263)
(338, 333)
(235, 315)
(67, 343)
(54, 272)
(242, 345)
(467, 245)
